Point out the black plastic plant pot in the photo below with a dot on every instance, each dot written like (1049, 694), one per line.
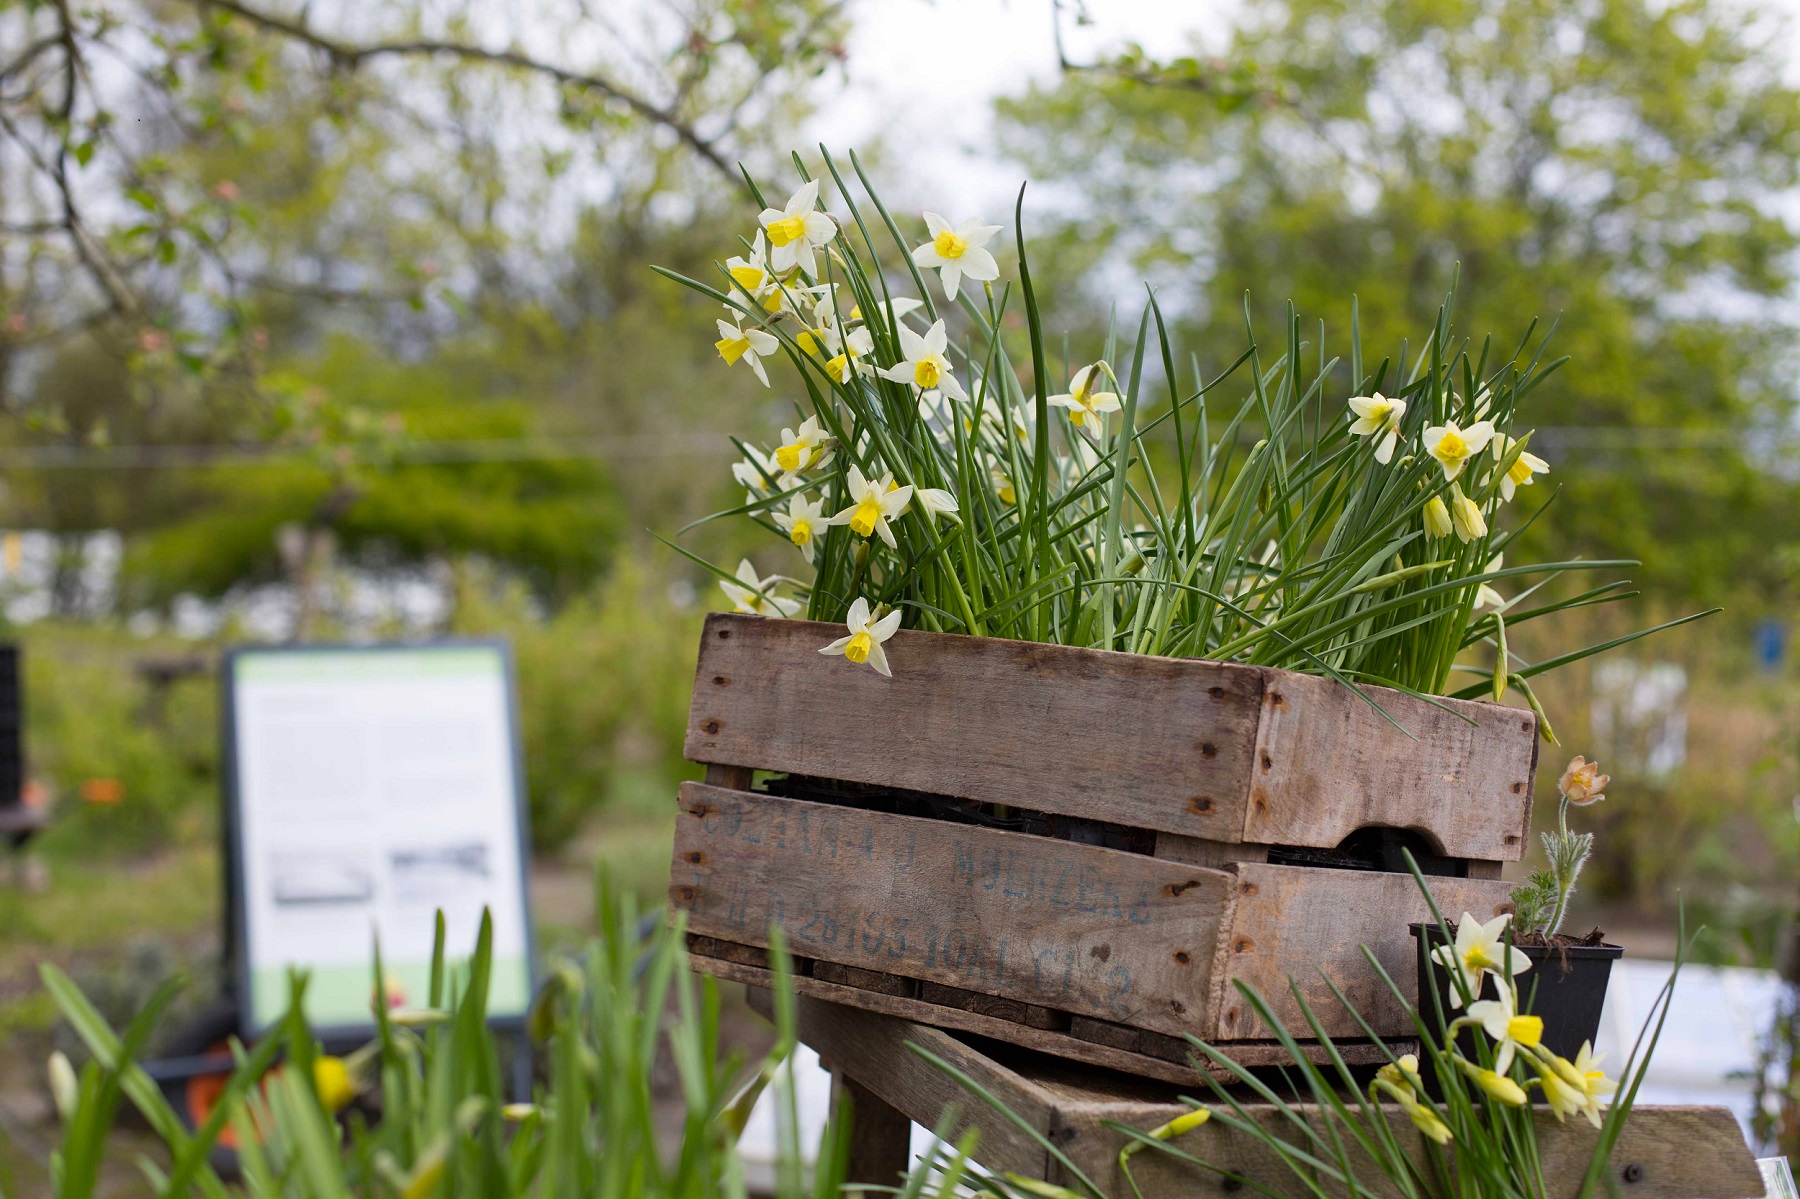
(1565, 987)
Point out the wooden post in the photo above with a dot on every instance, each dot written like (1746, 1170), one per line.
(880, 1137)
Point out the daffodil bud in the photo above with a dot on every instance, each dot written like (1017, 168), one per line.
(65, 1089)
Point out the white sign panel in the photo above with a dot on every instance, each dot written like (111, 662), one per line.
(372, 788)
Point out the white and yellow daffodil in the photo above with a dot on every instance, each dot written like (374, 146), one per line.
(954, 253)
(937, 502)
(755, 596)
(1087, 406)
(893, 309)
(1465, 516)
(848, 355)
(803, 449)
(1585, 1073)
(863, 644)
(1453, 446)
(1493, 1082)
(1377, 417)
(1400, 1082)
(1564, 1097)
(1501, 1021)
(797, 229)
(1479, 949)
(1003, 486)
(872, 504)
(1437, 518)
(758, 473)
(1485, 595)
(804, 522)
(752, 345)
(753, 277)
(1524, 470)
(924, 364)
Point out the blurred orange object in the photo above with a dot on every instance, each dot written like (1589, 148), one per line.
(34, 794)
(102, 790)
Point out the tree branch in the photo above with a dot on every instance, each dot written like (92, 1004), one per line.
(351, 55)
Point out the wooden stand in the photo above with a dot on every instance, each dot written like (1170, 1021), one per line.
(1665, 1153)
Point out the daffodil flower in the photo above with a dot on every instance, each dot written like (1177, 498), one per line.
(863, 644)
(1493, 1082)
(1378, 417)
(1179, 1126)
(847, 360)
(893, 309)
(1003, 486)
(804, 522)
(801, 450)
(1523, 471)
(954, 253)
(797, 229)
(1501, 1021)
(1465, 516)
(1399, 1081)
(332, 1082)
(923, 363)
(1564, 1097)
(1084, 403)
(1477, 950)
(937, 502)
(872, 505)
(753, 276)
(1486, 596)
(756, 472)
(1584, 1074)
(1437, 517)
(752, 345)
(1453, 446)
(756, 596)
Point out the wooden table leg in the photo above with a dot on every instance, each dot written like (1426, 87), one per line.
(880, 1137)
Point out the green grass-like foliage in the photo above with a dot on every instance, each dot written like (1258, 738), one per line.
(1229, 516)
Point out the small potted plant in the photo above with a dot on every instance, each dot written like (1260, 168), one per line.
(1566, 987)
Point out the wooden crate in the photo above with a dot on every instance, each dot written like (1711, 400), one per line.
(1075, 850)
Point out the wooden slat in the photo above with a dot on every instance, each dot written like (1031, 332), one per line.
(1077, 928)
(1665, 1152)
(1182, 746)
(1043, 1041)
(872, 1049)
(1148, 742)
(1327, 765)
(1296, 921)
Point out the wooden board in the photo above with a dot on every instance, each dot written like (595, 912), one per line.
(1058, 1045)
(1665, 1152)
(1327, 765)
(1296, 921)
(1173, 745)
(1077, 928)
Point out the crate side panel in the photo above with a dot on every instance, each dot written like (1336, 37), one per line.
(1149, 742)
(1292, 921)
(1077, 928)
(1327, 764)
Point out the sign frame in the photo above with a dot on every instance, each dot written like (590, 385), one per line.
(236, 924)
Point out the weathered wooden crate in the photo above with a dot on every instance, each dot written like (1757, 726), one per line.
(1079, 851)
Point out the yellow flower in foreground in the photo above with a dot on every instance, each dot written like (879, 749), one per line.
(331, 1079)
(863, 644)
(1184, 1123)
(1402, 1072)
(848, 353)
(1085, 404)
(801, 450)
(753, 276)
(752, 345)
(804, 522)
(755, 596)
(1479, 949)
(1582, 783)
(797, 229)
(1585, 1073)
(1494, 1083)
(1521, 473)
(954, 253)
(1501, 1021)
(1564, 1097)
(1378, 417)
(872, 504)
(1437, 517)
(1400, 1082)
(1453, 446)
(1465, 516)
(924, 364)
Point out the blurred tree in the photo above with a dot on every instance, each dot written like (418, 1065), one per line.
(364, 236)
(1617, 165)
